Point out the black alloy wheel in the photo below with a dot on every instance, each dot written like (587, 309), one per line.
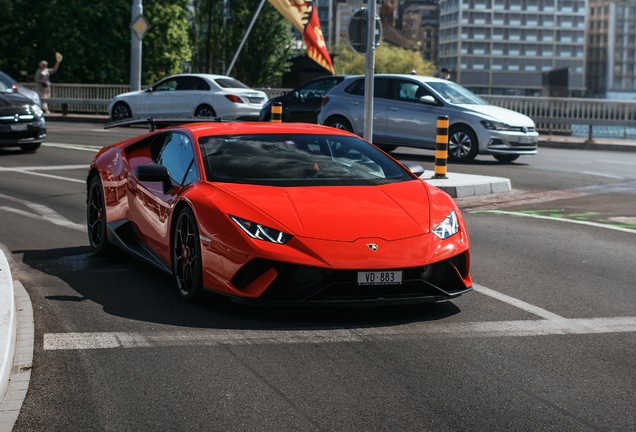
(339, 123)
(462, 144)
(96, 218)
(506, 158)
(186, 256)
(204, 111)
(121, 111)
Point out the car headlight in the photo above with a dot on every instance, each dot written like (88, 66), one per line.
(36, 110)
(492, 125)
(261, 232)
(448, 227)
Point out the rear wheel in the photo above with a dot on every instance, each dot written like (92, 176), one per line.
(462, 144)
(121, 111)
(186, 256)
(506, 158)
(96, 218)
(339, 123)
(204, 111)
(30, 147)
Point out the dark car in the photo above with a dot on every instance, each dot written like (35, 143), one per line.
(21, 121)
(303, 103)
(10, 82)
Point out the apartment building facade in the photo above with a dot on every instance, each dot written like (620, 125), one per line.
(504, 46)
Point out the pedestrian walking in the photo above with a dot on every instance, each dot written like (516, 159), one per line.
(43, 80)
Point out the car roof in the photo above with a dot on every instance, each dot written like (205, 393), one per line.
(251, 128)
(421, 78)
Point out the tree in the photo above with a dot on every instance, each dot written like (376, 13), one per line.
(388, 59)
(94, 38)
(262, 60)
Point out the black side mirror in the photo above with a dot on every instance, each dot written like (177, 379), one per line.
(428, 100)
(154, 173)
(150, 89)
(414, 168)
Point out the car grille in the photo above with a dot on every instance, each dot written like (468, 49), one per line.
(520, 128)
(296, 283)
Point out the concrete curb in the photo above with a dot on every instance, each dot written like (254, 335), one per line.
(581, 145)
(465, 185)
(8, 324)
(76, 118)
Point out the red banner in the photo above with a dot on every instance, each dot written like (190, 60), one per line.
(304, 17)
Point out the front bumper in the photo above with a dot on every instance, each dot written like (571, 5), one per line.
(296, 285)
(33, 135)
(508, 142)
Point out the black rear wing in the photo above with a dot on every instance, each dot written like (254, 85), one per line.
(162, 122)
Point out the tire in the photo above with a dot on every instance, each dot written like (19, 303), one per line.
(96, 218)
(462, 144)
(506, 158)
(121, 111)
(186, 256)
(204, 111)
(30, 147)
(386, 148)
(339, 123)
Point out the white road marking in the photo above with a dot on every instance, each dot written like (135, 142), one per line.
(579, 222)
(33, 171)
(603, 175)
(93, 149)
(45, 168)
(518, 303)
(44, 213)
(617, 162)
(216, 337)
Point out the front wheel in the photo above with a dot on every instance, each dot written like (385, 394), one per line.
(506, 158)
(186, 256)
(96, 218)
(121, 111)
(462, 144)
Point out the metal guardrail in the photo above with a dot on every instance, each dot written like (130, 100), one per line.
(94, 98)
(551, 115)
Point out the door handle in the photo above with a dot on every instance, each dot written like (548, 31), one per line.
(393, 109)
(354, 103)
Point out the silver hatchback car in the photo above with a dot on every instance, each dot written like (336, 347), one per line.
(405, 111)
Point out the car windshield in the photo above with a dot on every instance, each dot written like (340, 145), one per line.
(230, 83)
(455, 94)
(297, 160)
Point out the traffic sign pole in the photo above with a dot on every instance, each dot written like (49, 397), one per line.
(135, 48)
(368, 75)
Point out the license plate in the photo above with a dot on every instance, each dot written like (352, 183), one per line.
(389, 277)
(256, 100)
(19, 127)
(525, 140)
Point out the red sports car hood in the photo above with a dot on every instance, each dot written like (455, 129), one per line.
(343, 213)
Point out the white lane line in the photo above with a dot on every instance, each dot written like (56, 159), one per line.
(93, 149)
(39, 174)
(44, 213)
(518, 303)
(579, 222)
(603, 175)
(45, 168)
(215, 337)
(617, 162)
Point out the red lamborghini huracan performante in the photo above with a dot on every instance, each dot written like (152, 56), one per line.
(277, 213)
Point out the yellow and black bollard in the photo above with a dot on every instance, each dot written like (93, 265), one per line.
(441, 148)
(277, 112)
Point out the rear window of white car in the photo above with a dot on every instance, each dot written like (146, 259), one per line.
(230, 83)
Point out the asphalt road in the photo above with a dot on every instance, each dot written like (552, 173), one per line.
(545, 342)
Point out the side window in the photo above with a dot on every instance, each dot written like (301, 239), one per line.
(408, 91)
(380, 86)
(167, 85)
(199, 84)
(192, 83)
(318, 88)
(177, 156)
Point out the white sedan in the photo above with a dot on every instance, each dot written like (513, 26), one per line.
(191, 94)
